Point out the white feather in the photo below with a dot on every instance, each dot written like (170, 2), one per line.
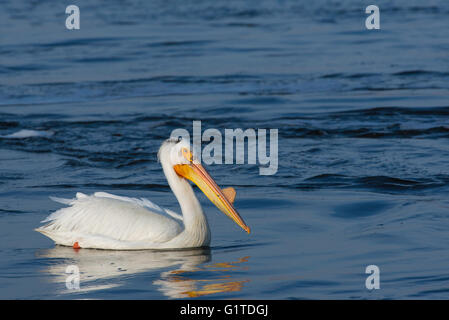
(108, 221)
(93, 220)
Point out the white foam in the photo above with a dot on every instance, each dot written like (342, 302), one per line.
(25, 133)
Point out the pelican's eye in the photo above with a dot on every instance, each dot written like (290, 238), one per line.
(187, 154)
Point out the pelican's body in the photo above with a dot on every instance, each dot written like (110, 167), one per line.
(106, 221)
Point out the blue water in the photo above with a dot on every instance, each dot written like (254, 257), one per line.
(363, 120)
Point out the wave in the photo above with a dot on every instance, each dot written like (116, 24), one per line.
(260, 85)
(25, 133)
(380, 183)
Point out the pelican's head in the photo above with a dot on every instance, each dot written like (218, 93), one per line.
(178, 154)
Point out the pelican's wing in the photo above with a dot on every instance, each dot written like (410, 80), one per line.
(104, 220)
(141, 202)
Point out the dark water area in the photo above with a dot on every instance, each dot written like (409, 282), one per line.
(363, 120)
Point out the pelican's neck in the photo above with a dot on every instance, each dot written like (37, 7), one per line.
(195, 221)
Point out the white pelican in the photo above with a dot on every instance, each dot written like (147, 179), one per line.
(107, 221)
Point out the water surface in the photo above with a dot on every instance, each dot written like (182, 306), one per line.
(363, 119)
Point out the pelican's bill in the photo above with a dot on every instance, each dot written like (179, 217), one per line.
(196, 173)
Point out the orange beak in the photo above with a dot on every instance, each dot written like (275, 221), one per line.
(196, 173)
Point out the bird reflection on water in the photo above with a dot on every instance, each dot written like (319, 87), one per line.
(190, 274)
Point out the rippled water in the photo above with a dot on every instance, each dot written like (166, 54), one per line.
(363, 119)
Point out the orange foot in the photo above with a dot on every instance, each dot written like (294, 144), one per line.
(76, 245)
